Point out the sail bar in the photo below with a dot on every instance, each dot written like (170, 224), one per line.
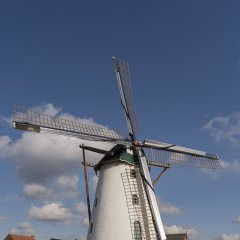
(179, 149)
(124, 82)
(25, 119)
(172, 154)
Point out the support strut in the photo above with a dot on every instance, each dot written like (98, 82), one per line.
(86, 181)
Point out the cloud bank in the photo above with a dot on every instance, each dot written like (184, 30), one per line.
(57, 213)
(174, 229)
(237, 220)
(225, 128)
(167, 207)
(229, 237)
(24, 228)
(40, 157)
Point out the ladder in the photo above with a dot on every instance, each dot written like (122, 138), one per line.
(142, 225)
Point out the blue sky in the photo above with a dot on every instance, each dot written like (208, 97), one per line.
(184, 59)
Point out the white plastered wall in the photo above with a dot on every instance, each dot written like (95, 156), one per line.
(110, 216)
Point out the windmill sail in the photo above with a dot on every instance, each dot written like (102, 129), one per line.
(158, 152)
(124, 82)
(147, 182)
(25, 119)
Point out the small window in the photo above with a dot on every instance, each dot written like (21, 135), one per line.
(96, 201)
(135, 199)
(133, 173)
(137, 231)
(91, 228)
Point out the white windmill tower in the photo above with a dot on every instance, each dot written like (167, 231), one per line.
(125, 206)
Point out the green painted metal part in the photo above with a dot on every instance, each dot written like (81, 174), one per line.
(127, 157)
(121, 155)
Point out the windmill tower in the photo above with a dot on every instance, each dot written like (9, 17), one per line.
(125, 205)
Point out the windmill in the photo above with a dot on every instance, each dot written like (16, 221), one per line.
(125, 205)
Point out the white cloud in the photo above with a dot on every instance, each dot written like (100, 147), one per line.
(174, 229)
(35, 191)
(6, 120)
(237, 220)
(40, 157)
(2, 218)
(81, 214)
(54, 212)
(69, 186)
(167, 207)
(5, 142)
(225, 128)
(229, 237)
(231, 165)
(81, 207)
(60, 188)
(68, 182)
(47, 108)
(71, 194)
(85, 222)
(24, 228)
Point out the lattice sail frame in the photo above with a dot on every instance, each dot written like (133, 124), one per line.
(124, 82)
(157, 156)
(36, 121)
(165, 153)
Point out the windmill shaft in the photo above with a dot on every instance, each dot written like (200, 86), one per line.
(86, 184)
